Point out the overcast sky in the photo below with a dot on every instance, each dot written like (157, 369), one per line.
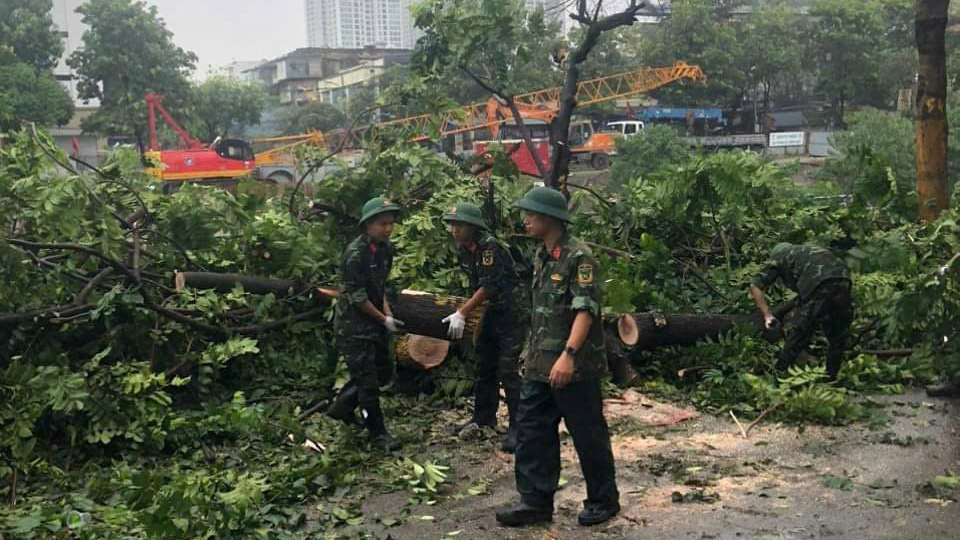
(221, 31)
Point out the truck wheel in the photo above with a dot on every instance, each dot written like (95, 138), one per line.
(600, 161)
(280, 177)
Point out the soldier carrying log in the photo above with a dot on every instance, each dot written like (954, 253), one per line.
(822, 282)
(493, 278)
(364, 320)
(563, 361)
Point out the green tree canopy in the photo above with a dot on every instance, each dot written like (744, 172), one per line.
(33, 95)
(223, 107)
(317, 116)
(27, 33)
(127, 53)
(697, 33)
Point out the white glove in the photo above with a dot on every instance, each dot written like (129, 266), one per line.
(770, 321)
(393, 325)
(457, 323)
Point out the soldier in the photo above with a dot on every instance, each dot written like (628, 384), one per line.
(493, 278)
(364, 319)
(822, 282)
(563, 361)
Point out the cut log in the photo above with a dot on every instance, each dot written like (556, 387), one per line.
(647, 331)
(422, 313)
(618, 360)
(420, 352)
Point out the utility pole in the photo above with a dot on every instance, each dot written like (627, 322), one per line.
(931, 105)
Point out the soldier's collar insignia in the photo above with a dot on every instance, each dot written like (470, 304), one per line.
(556, 277)
(557, 251)
(487, 257)
(373, 246)
(585, 274)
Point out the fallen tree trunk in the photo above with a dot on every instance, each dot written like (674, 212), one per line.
(421, 312)
(647, 331)
(618, 360)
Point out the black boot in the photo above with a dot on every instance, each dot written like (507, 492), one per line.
(944, 389)
(595, 514)
(344, 404)
(522, 514)
(378, 430)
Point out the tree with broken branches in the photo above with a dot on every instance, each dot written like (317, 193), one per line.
(591, 16)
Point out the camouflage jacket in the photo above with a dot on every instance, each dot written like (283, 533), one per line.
(363, 276)
(491, 266)
(565, 282)
(803, 269)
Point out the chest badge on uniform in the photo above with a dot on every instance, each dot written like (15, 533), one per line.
(487, 257)
(585, 274)
(556, 277)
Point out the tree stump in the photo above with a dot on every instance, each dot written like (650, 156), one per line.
(420, 352)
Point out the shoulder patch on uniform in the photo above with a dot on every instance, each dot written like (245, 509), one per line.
(585, 274)
(487, 257)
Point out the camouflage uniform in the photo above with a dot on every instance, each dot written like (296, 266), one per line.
(361, 339)
(565, 282)
(490, 266)
(822, 282)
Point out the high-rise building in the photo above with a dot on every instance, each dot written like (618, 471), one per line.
(353, 24)
(71, 27)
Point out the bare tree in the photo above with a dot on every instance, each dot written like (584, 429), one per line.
(596, 23)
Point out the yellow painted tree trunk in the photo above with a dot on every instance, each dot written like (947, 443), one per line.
(930, 25)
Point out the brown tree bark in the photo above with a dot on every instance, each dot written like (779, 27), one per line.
(931, 123)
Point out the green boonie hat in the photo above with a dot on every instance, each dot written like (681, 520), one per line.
(466, 213)
(780, 248)
(546, 201)
(375, 207)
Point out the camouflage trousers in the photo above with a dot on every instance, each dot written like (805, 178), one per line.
(498, 364)
(829, 307)
(370, 366)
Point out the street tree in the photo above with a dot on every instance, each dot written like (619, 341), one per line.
(127, 53)
(846, 42)
(223, 107)
(27, 34)
(29, 48)
(29, 94)
(931, 24)
(498, 44)
(771, 52)
(313, 116)
(697, 32)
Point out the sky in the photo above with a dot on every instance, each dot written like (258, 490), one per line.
(222, 31)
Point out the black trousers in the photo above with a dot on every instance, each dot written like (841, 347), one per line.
(498, 364)
(580, 405)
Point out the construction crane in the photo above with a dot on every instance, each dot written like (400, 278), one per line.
(541, 104)
(219, 163)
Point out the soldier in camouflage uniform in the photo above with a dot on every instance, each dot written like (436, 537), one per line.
(563, 361)
(822, 282)
(493, 278)
(364, 321)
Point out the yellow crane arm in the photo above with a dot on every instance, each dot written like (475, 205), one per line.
(545, 104)
(277, 155)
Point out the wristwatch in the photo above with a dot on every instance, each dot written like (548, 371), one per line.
(571, 351)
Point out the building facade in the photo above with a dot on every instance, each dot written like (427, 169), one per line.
(354, 24)
(71, 27)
